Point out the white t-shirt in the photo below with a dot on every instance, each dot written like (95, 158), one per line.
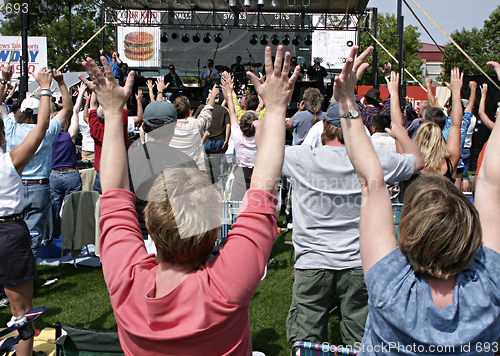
(11, 187)
(470, 131)
(244, 147)
(87, 140)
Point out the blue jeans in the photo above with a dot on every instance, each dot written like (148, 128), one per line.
(36, 212)
(97, 182)
(62, 184)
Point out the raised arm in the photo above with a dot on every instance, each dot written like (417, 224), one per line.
(86, 96)
(112, 98)
(472, 96)
(453, 141)
(149, 83)
(430, 95)
(64, 114)
(140, 109)
(396, 116)
(376, 207)
(487, 198)
(482, 105)
(270, 134)
(23, 153)
(160, 86)
(93, 101)
(6, 75)
(227, 86)
(73, 127)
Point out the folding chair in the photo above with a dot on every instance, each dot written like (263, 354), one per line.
(75, 341)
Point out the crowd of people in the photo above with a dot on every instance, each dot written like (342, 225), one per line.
(345, 166)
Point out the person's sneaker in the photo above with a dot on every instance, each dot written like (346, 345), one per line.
(4, 302)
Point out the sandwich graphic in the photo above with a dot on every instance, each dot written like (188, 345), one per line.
(139, 46)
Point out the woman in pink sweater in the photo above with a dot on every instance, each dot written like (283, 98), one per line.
(181, 302)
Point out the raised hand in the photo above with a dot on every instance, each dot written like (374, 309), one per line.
(149, 84)
(82, 87)
(495, 66)
(110, 94)
(214, 91)
(160, 84)
(345, 83)
(472, 85)
(484, 89)
(139, 95)
(393, 83)
(227, 83)
(277, 90)
(428, 81)
(7, 72)
(58, 76)
(386, 71)
(456, 81)
(44, 78)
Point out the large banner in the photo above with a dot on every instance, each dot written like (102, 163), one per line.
(11, 50)
(139, 45)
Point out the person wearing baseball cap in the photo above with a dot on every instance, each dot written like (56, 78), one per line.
(147, 160)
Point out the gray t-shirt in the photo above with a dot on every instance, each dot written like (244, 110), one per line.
(403, 319)
(326, 203)
(302, 123)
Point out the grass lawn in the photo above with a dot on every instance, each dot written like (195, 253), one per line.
(80, 298)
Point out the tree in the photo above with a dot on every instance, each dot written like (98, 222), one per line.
(481, 45)
(387, 35)
(49, 18)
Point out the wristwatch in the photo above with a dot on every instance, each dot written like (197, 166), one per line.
(3, 81)
(351, 114)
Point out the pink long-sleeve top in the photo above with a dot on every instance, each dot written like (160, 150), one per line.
(206, 314)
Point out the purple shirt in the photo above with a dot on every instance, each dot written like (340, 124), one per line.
(63, 151)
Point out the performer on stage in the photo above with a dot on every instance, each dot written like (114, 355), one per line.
(173, 78)
(293, 64)
(237, 67)
(316, 73)
(208, 75)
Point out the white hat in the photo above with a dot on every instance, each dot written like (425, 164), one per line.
(30, 103)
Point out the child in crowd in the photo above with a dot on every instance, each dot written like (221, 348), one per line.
(441, 287)
(181, 302)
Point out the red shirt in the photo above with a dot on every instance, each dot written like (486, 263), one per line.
(97, 133)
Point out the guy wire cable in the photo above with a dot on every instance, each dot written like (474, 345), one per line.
(74, 54)
(425, 29)
(389, 53)
(456, 45)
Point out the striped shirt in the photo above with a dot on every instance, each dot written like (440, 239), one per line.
(188, 133)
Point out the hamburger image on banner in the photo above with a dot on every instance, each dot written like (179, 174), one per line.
(139, 46)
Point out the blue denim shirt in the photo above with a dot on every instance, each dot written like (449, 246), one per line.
(39, 166)
(466, 120)
(403, 319)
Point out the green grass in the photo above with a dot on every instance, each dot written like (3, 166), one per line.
(80, 298)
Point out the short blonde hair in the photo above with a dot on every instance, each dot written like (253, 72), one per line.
(430, 140)
(183, 216)
(439, 229)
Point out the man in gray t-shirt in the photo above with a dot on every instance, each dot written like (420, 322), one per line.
(326, 204)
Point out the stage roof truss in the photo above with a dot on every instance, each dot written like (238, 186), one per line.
(228, 20)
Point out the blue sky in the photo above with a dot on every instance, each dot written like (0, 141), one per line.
(451, 15)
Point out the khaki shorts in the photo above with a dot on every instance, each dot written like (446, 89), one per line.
(87, 156)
